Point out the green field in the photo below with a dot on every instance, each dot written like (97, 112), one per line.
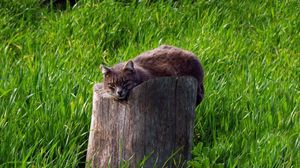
(250, 50)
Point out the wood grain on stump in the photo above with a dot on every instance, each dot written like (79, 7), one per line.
(155, 124)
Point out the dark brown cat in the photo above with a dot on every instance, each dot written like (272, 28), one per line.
(162, 61)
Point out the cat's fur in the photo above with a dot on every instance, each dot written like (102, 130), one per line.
(162, 61)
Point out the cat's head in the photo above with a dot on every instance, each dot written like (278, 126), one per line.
(120, 79)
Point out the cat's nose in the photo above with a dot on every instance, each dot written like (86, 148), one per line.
(119, 92)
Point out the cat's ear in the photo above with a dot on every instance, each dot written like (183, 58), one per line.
(129, 66)
(105, 70)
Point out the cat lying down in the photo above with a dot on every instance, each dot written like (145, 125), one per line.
(160, 62)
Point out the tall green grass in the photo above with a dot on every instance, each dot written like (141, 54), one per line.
(250, 50)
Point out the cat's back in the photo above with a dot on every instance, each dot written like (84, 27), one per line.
(164, 54)
(170, 61)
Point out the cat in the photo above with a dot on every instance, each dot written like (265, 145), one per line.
(163, 61)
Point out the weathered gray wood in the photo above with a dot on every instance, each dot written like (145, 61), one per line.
(156, 121)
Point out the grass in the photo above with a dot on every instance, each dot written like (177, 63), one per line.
(250, 50)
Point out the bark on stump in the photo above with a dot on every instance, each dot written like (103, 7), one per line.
(155, 124)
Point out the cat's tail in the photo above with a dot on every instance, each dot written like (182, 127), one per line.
(200, 94)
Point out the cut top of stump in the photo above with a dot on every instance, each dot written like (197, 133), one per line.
(157, 85)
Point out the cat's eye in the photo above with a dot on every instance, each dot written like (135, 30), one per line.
(125, 82)
(111, 86)
(126, 85)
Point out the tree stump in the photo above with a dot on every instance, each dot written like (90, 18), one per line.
(153, 127)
